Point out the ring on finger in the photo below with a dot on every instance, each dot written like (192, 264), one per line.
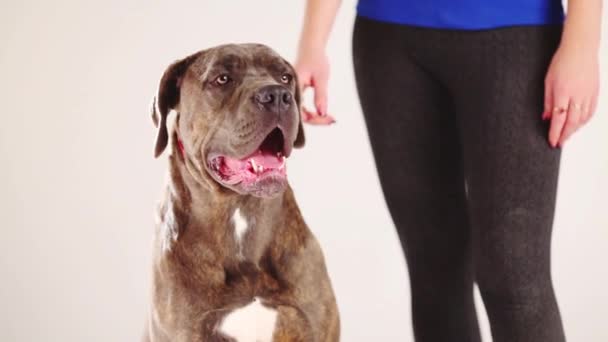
(559, 110)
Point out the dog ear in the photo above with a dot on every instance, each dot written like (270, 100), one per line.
(300, 139)
(167, 99)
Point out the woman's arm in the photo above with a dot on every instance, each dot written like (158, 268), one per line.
(583, 24)
(312, 64)
(572, 82)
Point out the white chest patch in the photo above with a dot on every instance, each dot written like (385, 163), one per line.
(251, 323)
(240, 225)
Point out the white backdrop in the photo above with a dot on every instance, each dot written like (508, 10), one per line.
(78, 183)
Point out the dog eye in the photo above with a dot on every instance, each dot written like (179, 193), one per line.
(222, 79)
(286, 78)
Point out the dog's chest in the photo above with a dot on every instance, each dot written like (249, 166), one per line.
(251, 323)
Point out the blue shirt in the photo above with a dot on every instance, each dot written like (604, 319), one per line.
(463, 14)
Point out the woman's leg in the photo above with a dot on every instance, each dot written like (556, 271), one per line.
(416, 147)
(511, 173)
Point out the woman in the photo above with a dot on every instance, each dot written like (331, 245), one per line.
(467, 105)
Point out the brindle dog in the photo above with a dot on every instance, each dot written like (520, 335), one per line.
(229, 234)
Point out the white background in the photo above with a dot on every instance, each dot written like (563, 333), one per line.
(78, 183)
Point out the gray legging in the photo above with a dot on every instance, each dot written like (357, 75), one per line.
(454, 120)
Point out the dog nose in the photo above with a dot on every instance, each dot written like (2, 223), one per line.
(274, 98)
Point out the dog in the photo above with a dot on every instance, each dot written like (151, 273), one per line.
(231, 249)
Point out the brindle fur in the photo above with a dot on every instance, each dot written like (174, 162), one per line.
(199, 273)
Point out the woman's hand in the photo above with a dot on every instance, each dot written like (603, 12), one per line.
(572, 82)
(312, 67)
(571, 91)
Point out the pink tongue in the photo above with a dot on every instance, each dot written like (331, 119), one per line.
(259, 158)
(241, 170)
(266, 160)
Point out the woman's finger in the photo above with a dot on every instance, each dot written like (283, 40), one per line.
(320, 85)
(314, 118)
(546, 115)
(586, 112)
(573, 120)
(592, 106)
(559, 112)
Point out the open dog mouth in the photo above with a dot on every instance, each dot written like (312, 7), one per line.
(268, 161)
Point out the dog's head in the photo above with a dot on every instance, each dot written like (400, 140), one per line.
(238, 116)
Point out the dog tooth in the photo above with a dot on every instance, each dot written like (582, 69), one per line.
(254, 166)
